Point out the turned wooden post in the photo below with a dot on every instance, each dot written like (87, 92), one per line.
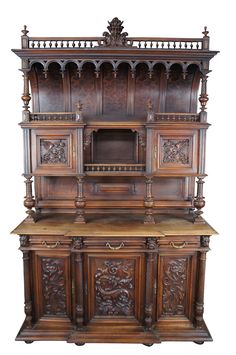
(150, 262)
(29, 201)
(149, 202)
(199, 305)
(26, 96)
(199, 201)
(24, 243)
(80, 200)
(24, 38)
(79, 308)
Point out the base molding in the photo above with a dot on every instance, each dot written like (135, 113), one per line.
(115, 335)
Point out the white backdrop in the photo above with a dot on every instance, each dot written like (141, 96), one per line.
(183, 18)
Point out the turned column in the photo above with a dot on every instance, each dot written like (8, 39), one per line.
(80, 200)
(24, 243)
(79, 299)
(150, 262)
(149, 202)
(199, 305)
(26, 96)
(29, 201)
(199, 201)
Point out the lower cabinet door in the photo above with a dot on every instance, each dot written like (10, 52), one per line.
(52, 286)
(114, 286)
(176, 288)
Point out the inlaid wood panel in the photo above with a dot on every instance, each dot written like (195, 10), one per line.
(55, 189)
(83, 88)
(114, 90)
(47, 91)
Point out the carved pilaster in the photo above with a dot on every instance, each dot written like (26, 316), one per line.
(29, 201)
(199, 305)
(79, 308)
(150, 112)
(80, 200)
(149, 202)
(150, 262)
(24, 242)
(199, 201)
(203, 99)
(78, 112)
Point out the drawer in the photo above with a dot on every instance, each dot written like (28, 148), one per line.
(110, 244)
(178, 243)
(46, 242)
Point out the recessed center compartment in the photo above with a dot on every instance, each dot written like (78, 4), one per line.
(112, 146)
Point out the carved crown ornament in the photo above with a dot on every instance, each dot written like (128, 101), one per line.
(115, 37)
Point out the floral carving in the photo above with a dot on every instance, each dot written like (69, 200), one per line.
(174, 287)
(53, 285)
(114, 288)
(53, 151)
(115, 38)
(175, 151)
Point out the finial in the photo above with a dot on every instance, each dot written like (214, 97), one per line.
(25, 31)
(205, 32)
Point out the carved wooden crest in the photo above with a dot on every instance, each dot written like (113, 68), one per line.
(115, 38)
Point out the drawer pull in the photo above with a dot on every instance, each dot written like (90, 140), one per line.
(178, 246)
(51, 246)
(115, 248)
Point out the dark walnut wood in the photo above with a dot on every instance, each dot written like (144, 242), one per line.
(114, 243)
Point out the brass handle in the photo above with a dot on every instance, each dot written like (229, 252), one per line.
(115, 248)
(178, 246)
(53, 246)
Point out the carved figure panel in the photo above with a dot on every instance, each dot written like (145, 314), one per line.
(174, 286)
(53, 286)
(114, 287)
(175, 151)
(54, 151)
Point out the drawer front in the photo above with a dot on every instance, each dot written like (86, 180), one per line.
(175, 151)
(179, 243)
(54, 152)
(108, 244)
(47, 242)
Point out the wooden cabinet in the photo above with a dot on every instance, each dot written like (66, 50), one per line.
(114, 243)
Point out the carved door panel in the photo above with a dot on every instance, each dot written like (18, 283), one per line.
(54, 151)
(176, 283)
(115, 288)
(52, 285)
(174, 151)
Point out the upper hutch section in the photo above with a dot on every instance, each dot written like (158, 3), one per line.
(114, 77)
